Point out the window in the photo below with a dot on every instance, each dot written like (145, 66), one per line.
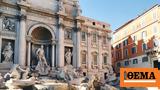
(94, 37)
(125, 32)
(126, 63)
(155, 30)
(118, 64)
(104, 26)
(83, 57)
(95, 60)
(68, 34)
(142, 22)
(125, 42)
(94, 23)
(145, 59)
(104, 39)
(134, 50)
(138, 26)
(144, 46)
(133, 28)
(105, 60)
(126, 53)
(112, 55)
(154, 16)
(144, 35)
(134, 38)
(118, 54)
(83, 36)
(135, 61)
(118, 46)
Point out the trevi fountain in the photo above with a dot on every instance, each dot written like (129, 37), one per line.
(49, 45)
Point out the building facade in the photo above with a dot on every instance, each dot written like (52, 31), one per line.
(131, 40)
(58, 26)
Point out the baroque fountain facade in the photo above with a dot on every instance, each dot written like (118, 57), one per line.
(50, 39)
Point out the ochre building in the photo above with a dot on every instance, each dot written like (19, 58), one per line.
(134, 38)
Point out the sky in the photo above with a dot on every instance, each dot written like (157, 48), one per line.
(115, 12)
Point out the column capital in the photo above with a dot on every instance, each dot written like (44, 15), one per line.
(29, 38)
(60, 23)
(54, 42)
(76, 29)
(21, 17)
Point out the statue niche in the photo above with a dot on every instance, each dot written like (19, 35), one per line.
(42, 66)
(41, 48)
(7, 53)
(68, 56)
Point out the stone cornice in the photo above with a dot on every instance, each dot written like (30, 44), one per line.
(4, 2)
(29, 38)
(23, 4)
(80, 19)
(41, 11)
(54, 42)
(76, 29)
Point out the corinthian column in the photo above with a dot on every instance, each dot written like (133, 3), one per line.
(53, 53)
(100, 52)
(60, 45)
(78, 48)
(22, 39)
(29, 50)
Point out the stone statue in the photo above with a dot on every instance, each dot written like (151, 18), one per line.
(111, 75)
(15, 73)
(1, 80)
(68, 56)
(8, 25)
(156, 41)
(7, 76)
(42, 66)
(25, 72)
(7, 52)
(41, 55)
(61, 75)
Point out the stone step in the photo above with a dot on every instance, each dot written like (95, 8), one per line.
(5, 67)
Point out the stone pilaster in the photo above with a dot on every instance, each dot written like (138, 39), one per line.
(22, 39)
(89, 60)
(109, 59)
(100, 56)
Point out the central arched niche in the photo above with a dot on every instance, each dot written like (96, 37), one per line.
(41, 33)
(41, 36)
